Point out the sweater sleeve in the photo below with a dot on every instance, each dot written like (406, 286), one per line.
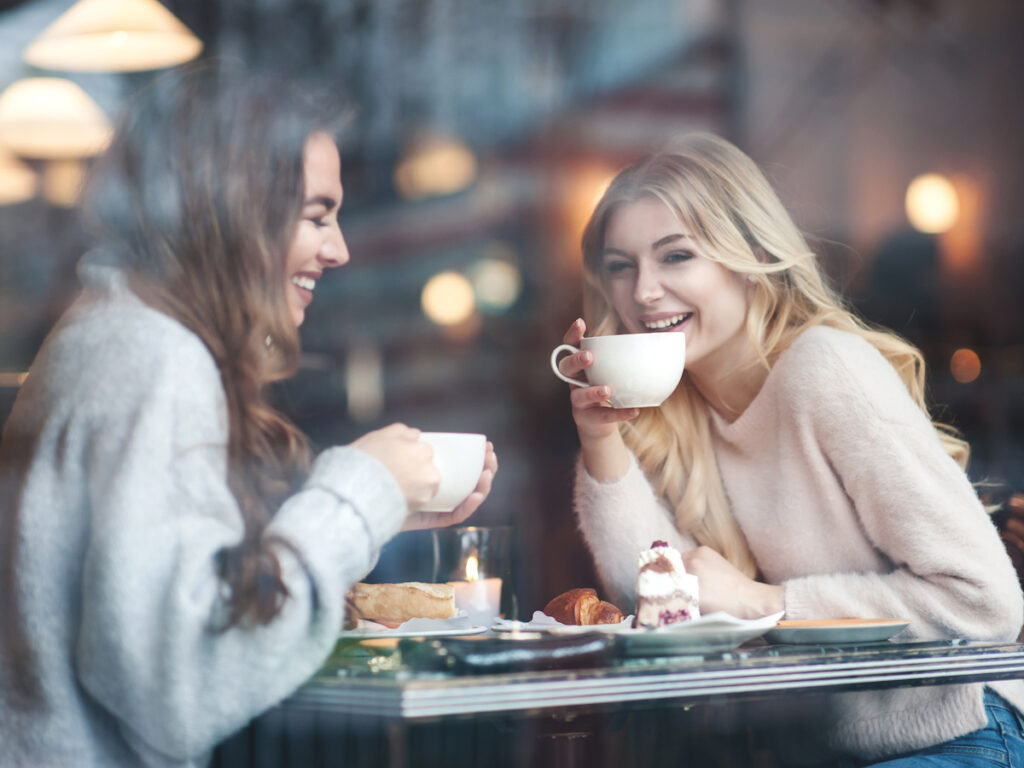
(618, 520)
(949, 572)
(148, 649)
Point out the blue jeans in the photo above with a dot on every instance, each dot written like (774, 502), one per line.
(999, 743)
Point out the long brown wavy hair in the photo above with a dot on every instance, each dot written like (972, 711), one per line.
(198, 196)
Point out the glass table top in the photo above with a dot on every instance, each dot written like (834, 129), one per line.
(445, 676)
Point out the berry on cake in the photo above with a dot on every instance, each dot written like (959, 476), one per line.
(665, 592)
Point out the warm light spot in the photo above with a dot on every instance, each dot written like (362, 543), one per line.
(434, 168)
(472, 568)
(62, 182)
(118, 38)
(51, 118)
(965, 365)
(364, 382)
(932, 204)
(12, 379)
(17, 181)
(447, 298)
(583, 189)
(496, 283)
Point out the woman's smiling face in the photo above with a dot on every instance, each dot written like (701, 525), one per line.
(317, 244)
(659, 281)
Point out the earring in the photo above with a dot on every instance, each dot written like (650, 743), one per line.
(751, 278)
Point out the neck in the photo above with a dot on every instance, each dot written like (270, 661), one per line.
(730, 391)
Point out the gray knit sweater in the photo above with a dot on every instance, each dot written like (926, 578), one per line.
(848, 500)
(124, 508)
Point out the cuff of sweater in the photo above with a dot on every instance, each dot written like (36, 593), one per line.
(358, 479)
(622, 489)
(796, 603)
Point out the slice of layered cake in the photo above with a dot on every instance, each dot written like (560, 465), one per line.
(665, 592)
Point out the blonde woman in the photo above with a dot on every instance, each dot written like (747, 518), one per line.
(796, 464)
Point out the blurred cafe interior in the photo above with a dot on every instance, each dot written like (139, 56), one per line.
(483, 132)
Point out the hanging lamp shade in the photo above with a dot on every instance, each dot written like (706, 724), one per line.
(113, 36)
(50, 118)
(17, 181)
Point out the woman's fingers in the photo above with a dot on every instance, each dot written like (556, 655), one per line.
(593, 401)
(609, 415)
(491, 459)
(588, 397)
(575, 333)
(574, 364)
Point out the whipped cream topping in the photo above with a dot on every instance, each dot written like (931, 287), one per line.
(663, 579)
(669, 553)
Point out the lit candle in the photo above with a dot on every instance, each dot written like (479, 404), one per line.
(479, 598)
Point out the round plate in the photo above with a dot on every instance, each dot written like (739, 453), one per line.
(714, 633)
(835, 631)
(366, 634)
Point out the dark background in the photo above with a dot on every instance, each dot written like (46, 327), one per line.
(842, 103)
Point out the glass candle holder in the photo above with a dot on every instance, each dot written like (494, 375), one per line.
(477, 562)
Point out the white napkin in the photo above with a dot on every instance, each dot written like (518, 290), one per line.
(458, 621)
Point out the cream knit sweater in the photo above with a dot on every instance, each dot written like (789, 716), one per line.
(847, 499)
(125, 506)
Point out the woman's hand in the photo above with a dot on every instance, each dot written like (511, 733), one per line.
(595, 418)
(419, 520)
(604, 453)
(724, 588)
(398, 448)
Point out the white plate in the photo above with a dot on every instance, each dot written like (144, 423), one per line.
(365, 633)
(713, 633)
(544, 623)
(835, 631)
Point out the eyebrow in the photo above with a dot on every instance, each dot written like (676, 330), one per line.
(324, 200)
(654, 246)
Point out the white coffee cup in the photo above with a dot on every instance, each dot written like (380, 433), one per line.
(642, 369)
(459, 457)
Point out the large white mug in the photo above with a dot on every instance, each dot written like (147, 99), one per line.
(459, 457)
(642, 369)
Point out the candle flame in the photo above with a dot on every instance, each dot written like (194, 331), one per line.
(472, 568)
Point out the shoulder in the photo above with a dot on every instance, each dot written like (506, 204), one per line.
(113, 345)
(822, 354)
(837, 370)
(823, 345)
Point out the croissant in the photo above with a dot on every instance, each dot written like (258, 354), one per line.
(582, 606)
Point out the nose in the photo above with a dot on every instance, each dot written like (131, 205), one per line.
(648, 286)
(334, 250)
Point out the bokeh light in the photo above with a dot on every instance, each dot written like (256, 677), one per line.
(17, 181)
(932, 204)
(965, 365)
(447, 298)
(62, 182)
(497, 284)
(434, 168)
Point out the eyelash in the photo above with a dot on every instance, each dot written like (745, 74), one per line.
(672, 257)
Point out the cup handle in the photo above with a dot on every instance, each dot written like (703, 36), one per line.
(554, 364)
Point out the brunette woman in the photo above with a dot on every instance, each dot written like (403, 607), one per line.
(173, 560)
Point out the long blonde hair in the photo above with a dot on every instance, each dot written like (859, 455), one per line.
(727, 204)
